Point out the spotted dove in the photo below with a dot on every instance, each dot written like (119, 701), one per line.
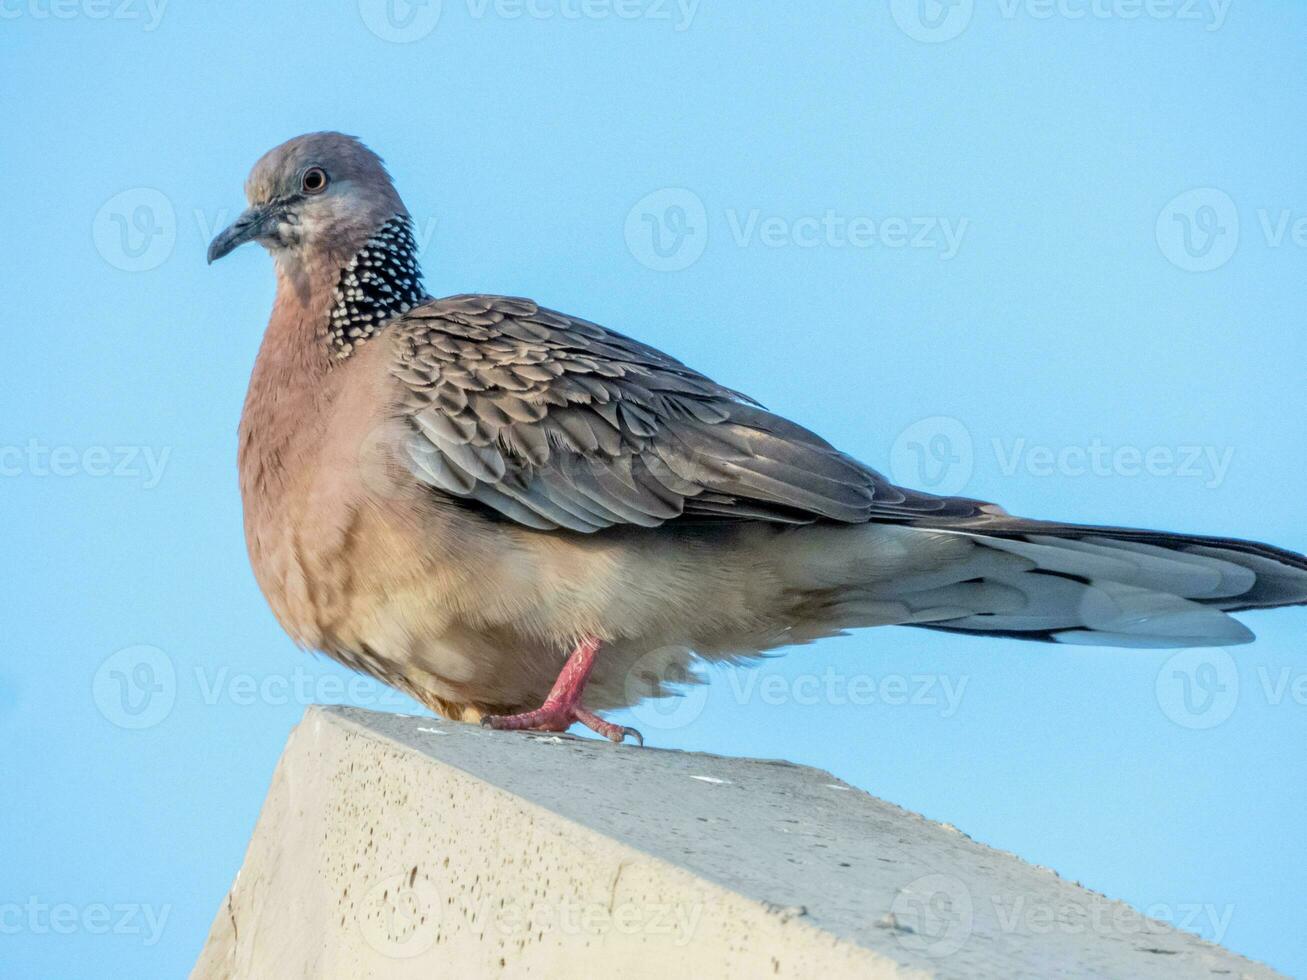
(495, 507)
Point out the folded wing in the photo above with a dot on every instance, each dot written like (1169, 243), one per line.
(557, 423)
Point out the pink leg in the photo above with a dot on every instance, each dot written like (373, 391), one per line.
(563, 705)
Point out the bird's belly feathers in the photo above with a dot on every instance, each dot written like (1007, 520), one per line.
(397, 589)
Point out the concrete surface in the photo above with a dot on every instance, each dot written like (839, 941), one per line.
(395, 846)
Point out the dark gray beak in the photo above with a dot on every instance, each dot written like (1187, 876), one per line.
(259, 221)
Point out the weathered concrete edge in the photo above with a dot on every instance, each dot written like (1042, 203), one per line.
(394, 738)
(876, 965)
(1214, 957)
(258, 904)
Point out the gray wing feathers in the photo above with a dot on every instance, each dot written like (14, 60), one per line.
(555, 422)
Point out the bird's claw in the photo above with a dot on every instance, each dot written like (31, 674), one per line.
(558, 718)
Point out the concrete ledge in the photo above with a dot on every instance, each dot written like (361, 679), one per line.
(392, 846)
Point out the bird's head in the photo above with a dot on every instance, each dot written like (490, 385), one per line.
(326, 209)
(315, 199)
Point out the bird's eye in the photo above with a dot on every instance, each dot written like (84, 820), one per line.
(314, 180)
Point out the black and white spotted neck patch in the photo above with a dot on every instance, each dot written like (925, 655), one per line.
(382, 281)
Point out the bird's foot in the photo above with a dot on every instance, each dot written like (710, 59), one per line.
(558, 717)
(563, 708)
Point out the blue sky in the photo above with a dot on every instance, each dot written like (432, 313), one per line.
(1046, 253)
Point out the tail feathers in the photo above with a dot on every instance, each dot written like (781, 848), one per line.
(1098, 586)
